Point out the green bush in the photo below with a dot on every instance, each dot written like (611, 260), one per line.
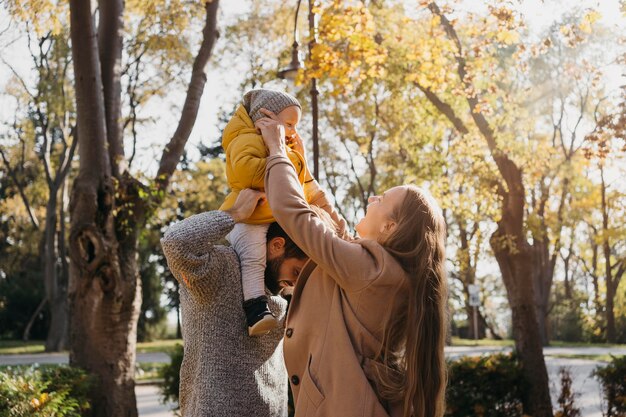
(171, 375)
(613, 380)
(486, 386)
(45, 392)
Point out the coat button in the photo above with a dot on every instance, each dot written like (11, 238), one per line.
(295, 380)
(289, 332)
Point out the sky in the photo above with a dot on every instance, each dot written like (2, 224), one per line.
(220, 86)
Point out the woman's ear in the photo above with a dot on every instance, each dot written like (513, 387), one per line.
(388, 227)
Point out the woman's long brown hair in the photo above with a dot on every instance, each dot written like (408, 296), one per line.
(415, 334)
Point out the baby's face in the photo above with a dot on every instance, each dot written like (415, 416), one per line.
(290, 117)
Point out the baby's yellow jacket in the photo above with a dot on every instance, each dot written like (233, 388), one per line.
(245, 163)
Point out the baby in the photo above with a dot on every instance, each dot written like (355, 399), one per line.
(245, 168)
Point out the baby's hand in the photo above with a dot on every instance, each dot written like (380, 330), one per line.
(295, 143)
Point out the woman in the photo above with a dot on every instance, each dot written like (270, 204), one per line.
(366, 326)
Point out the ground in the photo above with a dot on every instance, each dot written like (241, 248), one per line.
(581, 360)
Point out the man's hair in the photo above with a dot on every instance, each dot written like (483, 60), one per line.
(291, 250)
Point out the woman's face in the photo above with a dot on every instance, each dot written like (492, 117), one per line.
(290, 117)
(377, 218)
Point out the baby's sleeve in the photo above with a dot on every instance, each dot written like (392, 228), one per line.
(247, 158)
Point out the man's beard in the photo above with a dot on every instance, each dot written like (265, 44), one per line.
(272, 270)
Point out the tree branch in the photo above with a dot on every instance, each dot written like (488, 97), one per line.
(20, 188)
(174, 149)
(513, 199)
(110, 28)
(91, 125)
(445, 109)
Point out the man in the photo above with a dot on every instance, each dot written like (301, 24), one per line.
(225, 372)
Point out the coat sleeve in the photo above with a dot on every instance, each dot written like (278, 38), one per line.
(192, 254)
(353, 265)
(316, 196)
(248, 159)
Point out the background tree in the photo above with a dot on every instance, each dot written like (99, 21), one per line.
(48, 123)
(109, 206)
(608, 142)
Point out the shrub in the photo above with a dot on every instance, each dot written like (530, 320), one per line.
(567, 398)
(171, 375)
(613, 380)
(45, 392)
(486, 386)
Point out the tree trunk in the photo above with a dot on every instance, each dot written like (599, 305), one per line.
(56, 294)
(606, 249)
(107, 215)
(542, 280)
(103, 294)
(110, 27)
(517, 275)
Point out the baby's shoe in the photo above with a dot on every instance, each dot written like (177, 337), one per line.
(259, 317)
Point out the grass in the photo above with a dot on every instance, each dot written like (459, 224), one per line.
(14, 347)
(158, 346)
(597, 358)
(457, 341)
(559, 343)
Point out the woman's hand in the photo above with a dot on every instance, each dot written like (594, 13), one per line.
(273, 132)
(247, 200)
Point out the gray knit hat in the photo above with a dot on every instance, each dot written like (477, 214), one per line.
(274, 101)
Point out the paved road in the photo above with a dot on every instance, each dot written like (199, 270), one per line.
(149, 405)
(149, 402)
(63, 358)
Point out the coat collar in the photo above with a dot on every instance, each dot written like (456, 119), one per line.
(309, 266)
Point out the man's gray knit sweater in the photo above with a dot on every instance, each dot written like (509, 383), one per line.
(224, 372)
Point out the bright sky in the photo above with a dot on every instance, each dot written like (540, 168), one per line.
(221, 86)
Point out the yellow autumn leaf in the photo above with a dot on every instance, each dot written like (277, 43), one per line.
(507, 37)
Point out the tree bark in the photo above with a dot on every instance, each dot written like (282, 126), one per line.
(103, 300)
(110, 28)
(608, 267)
(56, 292)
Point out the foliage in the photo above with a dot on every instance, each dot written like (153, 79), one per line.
(567, 317)
(152, 318)
(613, 380)
(567, 397)
(171, 375)
(20, 294)
(46, 392)
(486, 386)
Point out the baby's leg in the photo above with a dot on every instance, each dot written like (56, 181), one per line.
(249, 241)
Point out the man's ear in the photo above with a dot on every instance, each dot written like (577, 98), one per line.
(276, 246)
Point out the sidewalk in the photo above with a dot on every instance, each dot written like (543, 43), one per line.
(63, 358)
(451, 352)
(589, 400)
(149, 402)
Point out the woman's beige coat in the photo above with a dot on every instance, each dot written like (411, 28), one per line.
(341, 301)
